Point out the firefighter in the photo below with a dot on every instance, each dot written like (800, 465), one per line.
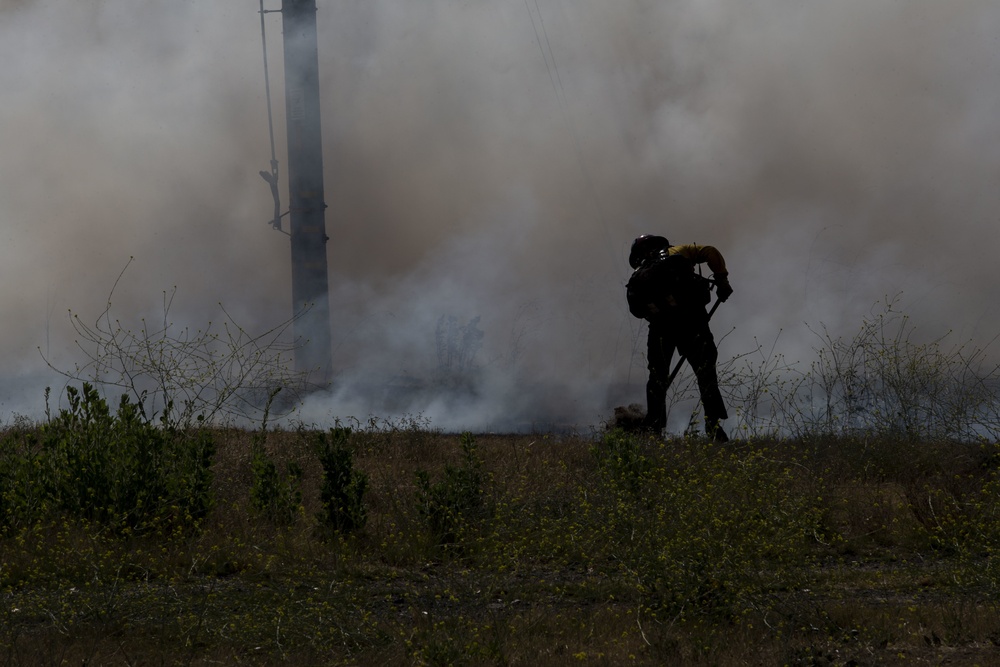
(666, 291)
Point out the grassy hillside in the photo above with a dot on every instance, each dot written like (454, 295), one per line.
(387, 543)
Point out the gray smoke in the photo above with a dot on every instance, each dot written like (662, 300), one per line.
(494, 160)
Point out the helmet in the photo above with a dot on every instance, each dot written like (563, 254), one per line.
(645, 247)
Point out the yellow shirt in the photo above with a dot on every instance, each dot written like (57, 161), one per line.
(701, 254)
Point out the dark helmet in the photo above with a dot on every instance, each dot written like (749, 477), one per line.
(645, 247)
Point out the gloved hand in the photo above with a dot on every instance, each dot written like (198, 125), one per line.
(723, 289)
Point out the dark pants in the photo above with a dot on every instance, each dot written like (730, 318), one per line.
(692, 338)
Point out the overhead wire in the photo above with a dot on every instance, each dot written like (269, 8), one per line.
(538, 39)
(270, 177)
(267, 89)
(552, 68)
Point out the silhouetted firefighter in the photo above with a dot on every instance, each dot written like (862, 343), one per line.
(666, 291)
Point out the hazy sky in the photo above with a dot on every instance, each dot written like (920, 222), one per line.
(495, 158)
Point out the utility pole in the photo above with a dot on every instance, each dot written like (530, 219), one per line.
(307, 220)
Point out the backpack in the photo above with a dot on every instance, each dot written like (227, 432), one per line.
(661, 285)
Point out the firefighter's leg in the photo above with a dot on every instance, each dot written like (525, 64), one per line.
(659, 351)
(702, 354)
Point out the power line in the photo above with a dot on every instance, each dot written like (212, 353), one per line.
(272, 177)
(552, 68)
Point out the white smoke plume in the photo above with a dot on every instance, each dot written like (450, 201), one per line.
(495, 160)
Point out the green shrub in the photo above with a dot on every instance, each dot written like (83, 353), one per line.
(449, 503)
(276, 497)
(113, 468)
(343, 489)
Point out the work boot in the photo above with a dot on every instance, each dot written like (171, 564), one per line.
(715, 433)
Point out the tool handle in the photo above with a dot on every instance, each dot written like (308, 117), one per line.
(677, 368)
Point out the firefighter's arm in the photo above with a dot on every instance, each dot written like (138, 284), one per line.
(707, 254)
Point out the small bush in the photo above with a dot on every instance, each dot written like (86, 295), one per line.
(449, 503)
(276, 497)
(112, 468)
(343, 489)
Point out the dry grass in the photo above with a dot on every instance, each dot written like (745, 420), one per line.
(563, 565)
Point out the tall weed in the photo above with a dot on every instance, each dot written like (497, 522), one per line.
(882, 381)
(215, 374)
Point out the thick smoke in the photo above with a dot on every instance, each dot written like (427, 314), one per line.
(494, 160)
